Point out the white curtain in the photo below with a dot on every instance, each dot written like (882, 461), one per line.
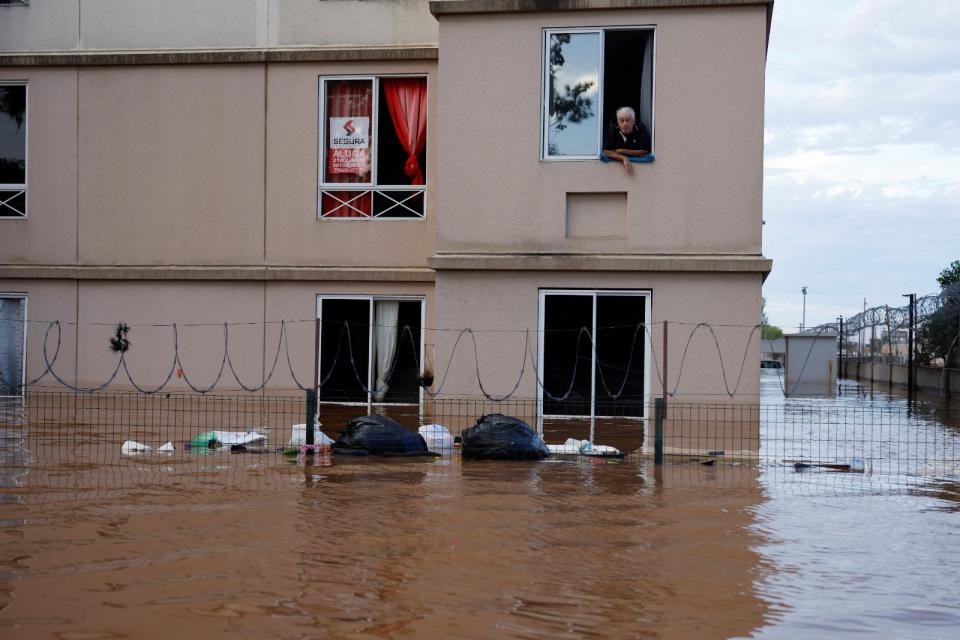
(646, 88)
(385, 344)
(11, 346)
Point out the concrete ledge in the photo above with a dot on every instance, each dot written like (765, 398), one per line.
(255, 273)
(446, 7)
(595, 262)
(217, 56)
(440, 8)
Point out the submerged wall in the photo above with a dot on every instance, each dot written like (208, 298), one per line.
(934, 379)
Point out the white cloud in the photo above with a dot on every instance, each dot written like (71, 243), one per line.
(592, 79)
(886, 171)
(862, 169)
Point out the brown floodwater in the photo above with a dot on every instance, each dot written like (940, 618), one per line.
(251, 546)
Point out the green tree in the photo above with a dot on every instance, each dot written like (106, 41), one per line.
(950, 275)
(938, 338)
(767, 330)
(13, 102)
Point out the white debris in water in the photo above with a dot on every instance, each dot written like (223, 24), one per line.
(246, 438)
(299, 436)
(573, 447)
(132, 447)
(437, 437)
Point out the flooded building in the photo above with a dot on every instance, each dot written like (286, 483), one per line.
(400, 172)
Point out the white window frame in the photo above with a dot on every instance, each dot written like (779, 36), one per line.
(20, 188)
(647, 295)
(372, 299)
(23, 350)
(366, 187)
(545, 87)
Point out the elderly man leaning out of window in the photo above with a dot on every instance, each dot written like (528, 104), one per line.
(628, 139)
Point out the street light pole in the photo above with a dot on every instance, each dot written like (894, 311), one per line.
(803, 320)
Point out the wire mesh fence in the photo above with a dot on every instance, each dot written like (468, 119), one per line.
(51, 428)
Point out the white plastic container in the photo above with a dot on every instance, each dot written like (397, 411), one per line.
(299, 436)
(437, 437)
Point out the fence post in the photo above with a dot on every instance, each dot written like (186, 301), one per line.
(840, 351)
(658, 431)
(666, 360)
(911, 381)
(312, 393)
(311, 415)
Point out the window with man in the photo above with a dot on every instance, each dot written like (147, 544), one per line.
(629, 139)
(598, 94)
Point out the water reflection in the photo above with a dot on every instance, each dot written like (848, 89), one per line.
(534, 550)
(257, 545)
(858, 563)
(385, 548)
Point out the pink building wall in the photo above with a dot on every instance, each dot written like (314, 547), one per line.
(187, 192)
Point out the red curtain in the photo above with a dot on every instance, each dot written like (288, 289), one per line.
(407, 102)
(353, 99)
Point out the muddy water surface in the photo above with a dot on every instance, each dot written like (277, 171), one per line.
(256, 546)
(427, 549)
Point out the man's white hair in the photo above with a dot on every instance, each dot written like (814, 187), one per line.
(628, 111)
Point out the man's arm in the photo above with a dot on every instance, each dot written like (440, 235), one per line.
(620, 156)
(633, 153)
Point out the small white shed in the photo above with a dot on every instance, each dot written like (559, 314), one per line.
(810, 367)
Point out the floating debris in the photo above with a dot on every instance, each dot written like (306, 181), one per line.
(437, 437)
(299, 436)
(574, 447)
(250, 440)
(132, 447)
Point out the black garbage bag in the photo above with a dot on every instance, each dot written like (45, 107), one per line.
(500, 437)
(379, 435)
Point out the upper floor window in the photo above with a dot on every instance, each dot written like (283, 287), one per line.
(373, 159)
(588, 75)
(13, 149)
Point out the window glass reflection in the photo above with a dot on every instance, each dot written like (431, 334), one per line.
(574, 71)
(13, 134)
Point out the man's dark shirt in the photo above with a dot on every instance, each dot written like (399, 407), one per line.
(637, 140)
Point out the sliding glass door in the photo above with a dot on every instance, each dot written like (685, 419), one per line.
(370, 349)
(594, 353)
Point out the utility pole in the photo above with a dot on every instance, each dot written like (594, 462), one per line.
(840, 349)
(863, 351)
(910, 374)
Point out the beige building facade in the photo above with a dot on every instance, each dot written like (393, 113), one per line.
(314, 202)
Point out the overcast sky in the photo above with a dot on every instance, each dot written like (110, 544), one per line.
(862, 156)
